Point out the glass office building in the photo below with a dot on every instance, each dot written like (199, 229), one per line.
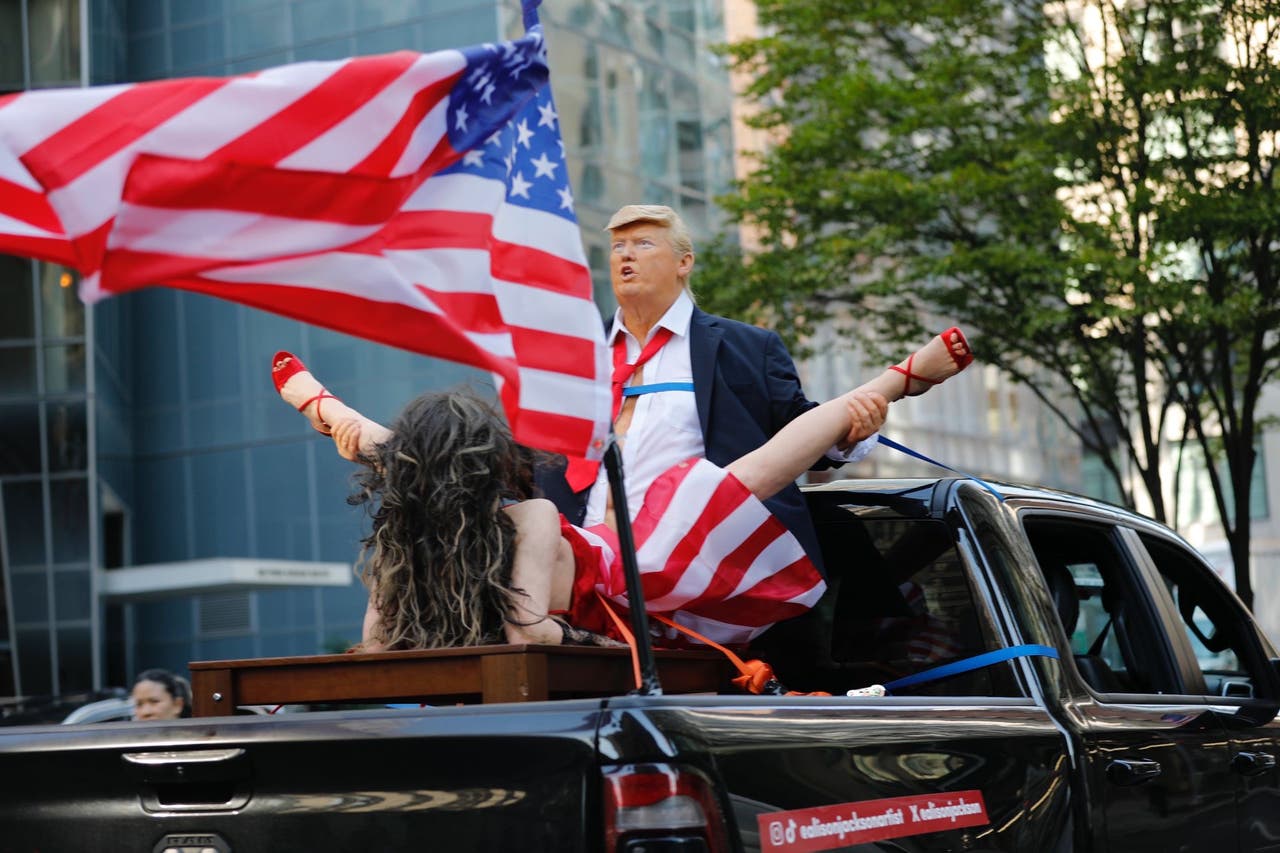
(158, 503)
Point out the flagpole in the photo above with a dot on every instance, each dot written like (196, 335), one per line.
(648, 685)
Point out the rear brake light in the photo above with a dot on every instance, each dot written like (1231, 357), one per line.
(661, 807)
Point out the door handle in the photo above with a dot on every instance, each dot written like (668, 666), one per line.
(1253, 763)
(1132, 771)
(191, 780)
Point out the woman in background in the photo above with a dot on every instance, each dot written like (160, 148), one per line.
(158, 694)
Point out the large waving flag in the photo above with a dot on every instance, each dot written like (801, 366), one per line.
(421, 201)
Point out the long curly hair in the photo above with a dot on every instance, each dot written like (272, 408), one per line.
(438, 559)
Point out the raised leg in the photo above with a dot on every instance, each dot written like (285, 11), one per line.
(769, 469)
(352, 432)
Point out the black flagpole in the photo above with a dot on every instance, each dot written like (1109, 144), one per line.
(649, 685)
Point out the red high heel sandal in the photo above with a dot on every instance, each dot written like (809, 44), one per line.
(284, 367)
(961, 360)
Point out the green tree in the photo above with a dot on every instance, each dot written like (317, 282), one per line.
(1086, 187)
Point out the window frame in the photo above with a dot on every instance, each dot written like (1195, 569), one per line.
(1255, 654)
(1135, 563)
(928, 504)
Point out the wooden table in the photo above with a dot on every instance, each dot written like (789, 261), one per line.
(506, 673)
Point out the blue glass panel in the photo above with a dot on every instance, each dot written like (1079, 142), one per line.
(160, 516)
(187, 11)
(10, 47)
(374, 13)
(69, 510)
(198, 46)
(75, 659)
(18, 319)
(218, 505)
(160, 428)
(24, 523)
(372, 42)
(162, 622)
(68, 439)
(226, 648)
(275, 609)
(340, 526)
(216, 424)
(148, 57)
(34, 661)
(287, 644)
(158, 347)
(320, 19)
(17, 370)
(325, 51)
(142, 15)
(212, 330)
(64, 368)
(19, 438)
(72, 594)
(281, 492)
(472, 25)
(30, 596)
(259, 62)
(260, 30)
(343, 609)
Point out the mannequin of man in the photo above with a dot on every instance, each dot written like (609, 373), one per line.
(717, 388)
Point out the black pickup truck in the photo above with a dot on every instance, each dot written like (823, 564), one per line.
(1062, 675)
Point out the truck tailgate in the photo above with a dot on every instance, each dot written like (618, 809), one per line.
(481, 778)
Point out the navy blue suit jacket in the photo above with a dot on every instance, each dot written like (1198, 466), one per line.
(746, 389)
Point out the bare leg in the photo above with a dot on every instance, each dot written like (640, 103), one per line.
(543, 568)
(769, 469)
(327, 413)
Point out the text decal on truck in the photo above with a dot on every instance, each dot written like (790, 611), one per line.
(827, 827)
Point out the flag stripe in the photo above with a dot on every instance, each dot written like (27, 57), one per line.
(29, 207)
(730, 572)
(318, 110)
(420, 123)
(28, 118)
(203, 238)
(167, 182)
(98, 134)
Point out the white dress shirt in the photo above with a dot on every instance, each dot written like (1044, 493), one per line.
(665, 429)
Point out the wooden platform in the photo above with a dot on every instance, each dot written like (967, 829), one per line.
(507, 673)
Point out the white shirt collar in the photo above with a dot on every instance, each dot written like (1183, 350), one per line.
(677, 318)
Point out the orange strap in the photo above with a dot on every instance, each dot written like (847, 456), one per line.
(621, 625)
(755, 676)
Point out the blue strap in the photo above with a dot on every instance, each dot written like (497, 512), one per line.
(975, 662)
(637, 390)
(902, 448)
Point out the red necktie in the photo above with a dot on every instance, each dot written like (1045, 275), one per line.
(581, 474)
(623, 371)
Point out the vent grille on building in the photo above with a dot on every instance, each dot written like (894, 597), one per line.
(225, 614)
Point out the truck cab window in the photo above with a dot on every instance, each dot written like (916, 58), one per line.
(1115, 637)
(899, 601)
(1226, 647)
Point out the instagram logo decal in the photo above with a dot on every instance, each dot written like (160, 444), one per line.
(828, 827)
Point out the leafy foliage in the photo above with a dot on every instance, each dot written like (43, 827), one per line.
(1087, 186)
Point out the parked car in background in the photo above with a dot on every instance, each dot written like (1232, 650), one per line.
(102, 711)
(28, 710)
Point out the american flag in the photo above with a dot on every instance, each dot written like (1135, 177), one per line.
(711, 557)
(418, 200)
